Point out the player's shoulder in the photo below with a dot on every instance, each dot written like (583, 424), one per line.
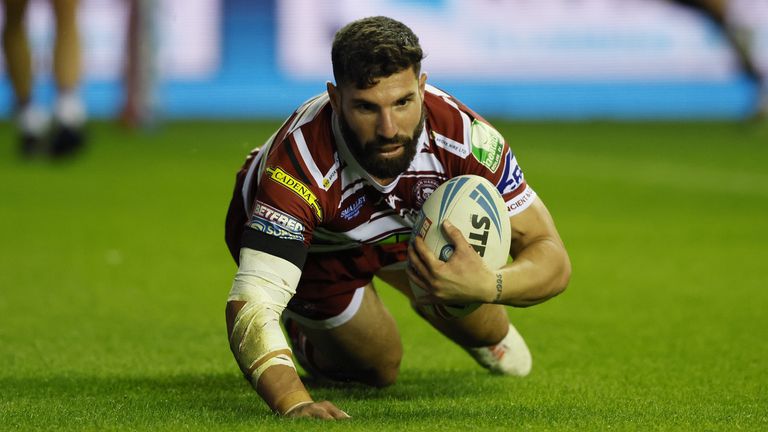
(448, 114)
(313, 112)
(303, 156)
(458, 130)
(305, 142)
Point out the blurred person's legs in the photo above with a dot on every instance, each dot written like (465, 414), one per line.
(69, 112)
(31, 121)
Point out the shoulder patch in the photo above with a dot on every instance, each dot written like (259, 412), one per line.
(487, 145)
(279, 175)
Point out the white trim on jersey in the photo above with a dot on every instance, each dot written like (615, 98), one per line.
(310, 111)
(423, 162)
(380, 225)
(327, 235)
(467, 125)
(348, 178)
(521, 201)
(307, 112)
(314, 171)
(464, 117)
(377, 229)
(255, 167)
(436, 91)
(332, 322)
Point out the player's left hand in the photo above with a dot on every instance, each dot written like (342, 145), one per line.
(463, 279)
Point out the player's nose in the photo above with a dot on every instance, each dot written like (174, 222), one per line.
(386, 126)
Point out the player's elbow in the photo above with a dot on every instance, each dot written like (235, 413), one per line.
(563, 276)
(559, 277)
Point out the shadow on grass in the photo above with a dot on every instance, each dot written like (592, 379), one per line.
(425, 386)
(225, 399)
(422, 399)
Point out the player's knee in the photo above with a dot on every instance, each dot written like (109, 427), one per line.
(384, 374)
(383, 369)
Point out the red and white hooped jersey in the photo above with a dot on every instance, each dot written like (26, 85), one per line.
(305, 185)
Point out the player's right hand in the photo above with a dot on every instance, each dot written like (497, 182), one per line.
(320, 410)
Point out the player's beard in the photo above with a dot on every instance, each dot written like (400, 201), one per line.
(369, 157)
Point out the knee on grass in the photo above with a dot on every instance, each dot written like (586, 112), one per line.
(382, 375)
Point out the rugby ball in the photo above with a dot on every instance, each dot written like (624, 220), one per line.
(474, 206)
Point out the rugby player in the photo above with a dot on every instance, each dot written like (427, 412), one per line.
(329, 201)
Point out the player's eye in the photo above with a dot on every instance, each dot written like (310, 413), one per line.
(366, 107)
(403, 101)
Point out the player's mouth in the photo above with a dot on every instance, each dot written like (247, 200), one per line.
(391, 150)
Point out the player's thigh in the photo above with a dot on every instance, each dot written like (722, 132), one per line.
(487, 325)
(369, 339)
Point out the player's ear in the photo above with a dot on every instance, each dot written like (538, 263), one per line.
(422, 84)
(333, 94)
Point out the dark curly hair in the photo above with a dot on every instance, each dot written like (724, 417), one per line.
(371, 48)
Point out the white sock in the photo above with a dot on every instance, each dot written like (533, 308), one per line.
(510, 356)
(70, 110)
(32, 120)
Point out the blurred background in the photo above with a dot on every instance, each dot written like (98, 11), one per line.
(632, 119)
(554, 59)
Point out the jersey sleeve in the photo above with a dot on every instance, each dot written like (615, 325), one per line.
(468, 144)
(285, 210)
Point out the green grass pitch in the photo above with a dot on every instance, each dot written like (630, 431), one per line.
(114, 274)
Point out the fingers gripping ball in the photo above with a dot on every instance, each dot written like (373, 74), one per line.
(474, 206)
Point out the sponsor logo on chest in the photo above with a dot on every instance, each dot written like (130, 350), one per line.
(353, 210)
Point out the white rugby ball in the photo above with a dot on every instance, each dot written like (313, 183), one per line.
(476, 208)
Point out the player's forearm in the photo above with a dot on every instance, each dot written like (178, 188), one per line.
(279, 385)
(539, 272)
(262, 288)
(272, 374)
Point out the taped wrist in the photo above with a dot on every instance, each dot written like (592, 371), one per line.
(265, 283)
(291, 401)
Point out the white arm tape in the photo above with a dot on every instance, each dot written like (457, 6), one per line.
(265, 283)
